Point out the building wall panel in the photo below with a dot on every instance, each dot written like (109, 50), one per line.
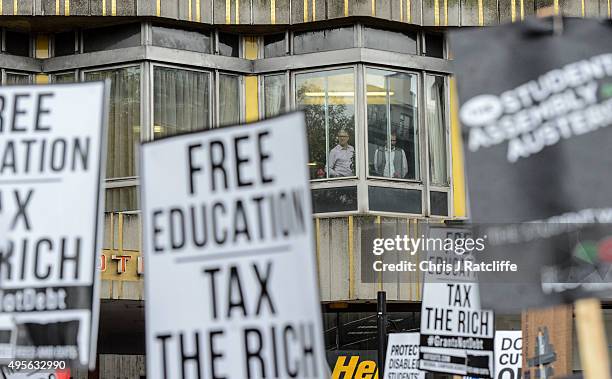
(572, 8)
(450, 12)
(592, 8)
(324, 259)
(339, 262)
(431, 12)
(490, 12)
(146, 7)
(336, 8)
(383, 9)
(469, 13)
(261, 12)
(169, 9)
(453, 9)
(318, 10)
(605, 8)
(363, 227)
(362, 7)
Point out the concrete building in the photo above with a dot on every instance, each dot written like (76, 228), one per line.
(376, 70)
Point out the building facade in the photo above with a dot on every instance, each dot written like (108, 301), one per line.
(371, 74)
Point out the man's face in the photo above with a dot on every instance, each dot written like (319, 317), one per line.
(393, 140)
(343, 139)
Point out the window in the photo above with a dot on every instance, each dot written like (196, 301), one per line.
(112, 37)
(328, 101)
(123, 132)
(229, 45)
(65, 77)
(64, 44)
(181, 101)
(323, 40)
(274, 45)
(17, 43)
(392, 122)
(401, 42)
(229, 99)
(181, 39)
(434, 45)
(435, 114)
(274, 95)
(14, 78)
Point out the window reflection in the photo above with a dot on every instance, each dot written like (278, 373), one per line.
(393, 150)
(328, 101)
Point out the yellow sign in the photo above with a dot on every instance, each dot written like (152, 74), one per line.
(353, 369)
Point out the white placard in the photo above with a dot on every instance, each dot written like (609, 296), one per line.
(508, 354)
(402, 358)
(456, 334)
(231, 282)
(52, 155)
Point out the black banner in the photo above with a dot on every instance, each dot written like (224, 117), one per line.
(536, 111)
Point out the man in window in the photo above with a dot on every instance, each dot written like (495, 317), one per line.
(341, 157)
(391, 162)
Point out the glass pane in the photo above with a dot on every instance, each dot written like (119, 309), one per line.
(435, 115)
(438, 203)
(398, 200)
(181, 39)
(17, 78)
(323, 40)
(338, 199)
(229, 100)
(229, 44)
(391, 41)
(274, 45)
(274, 95)
(393, 148)
(67, 77)
(17, 43)
(64, 44)
(328, 101)
(181, 101)
(121, 199)
(123, 119)
(112, 37)
(434, 45)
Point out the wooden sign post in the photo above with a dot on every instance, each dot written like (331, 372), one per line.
(592, 339)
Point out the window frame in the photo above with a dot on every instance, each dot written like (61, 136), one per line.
(6, 72)
(262, 95)
(449, 158)
(358, 132)
(128, 181)
(241, 96)
(419, 126)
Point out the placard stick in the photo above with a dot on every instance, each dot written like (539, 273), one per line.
(592, 339)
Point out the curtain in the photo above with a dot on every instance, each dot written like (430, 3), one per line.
(438, 171)
(229, 100)
(181, 101)
(274, 95)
